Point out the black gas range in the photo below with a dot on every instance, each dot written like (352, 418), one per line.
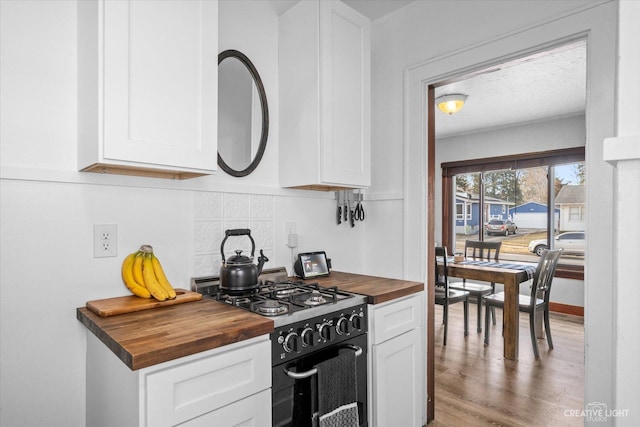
(312, 323)
(284, 300)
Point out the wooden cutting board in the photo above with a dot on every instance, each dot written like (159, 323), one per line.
(131, 303)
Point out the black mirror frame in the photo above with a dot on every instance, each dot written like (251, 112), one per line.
(231, 53)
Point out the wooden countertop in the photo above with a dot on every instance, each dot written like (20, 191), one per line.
(376, 289)
(149, 337)
(146, 338)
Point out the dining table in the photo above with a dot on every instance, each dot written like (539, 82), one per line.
(511, 275)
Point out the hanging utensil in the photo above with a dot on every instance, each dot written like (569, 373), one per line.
(339, 207)
(351, 212)
(345, 208)
(359, 210)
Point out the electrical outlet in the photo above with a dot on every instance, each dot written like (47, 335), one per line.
(105, 240)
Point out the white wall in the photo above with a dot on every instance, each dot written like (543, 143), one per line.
(414, 47)
(47, 209)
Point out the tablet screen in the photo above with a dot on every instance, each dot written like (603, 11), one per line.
(314, 264)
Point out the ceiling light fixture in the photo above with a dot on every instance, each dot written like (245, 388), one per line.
(451, 104)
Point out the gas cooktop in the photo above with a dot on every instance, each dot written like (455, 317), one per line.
(285, 301)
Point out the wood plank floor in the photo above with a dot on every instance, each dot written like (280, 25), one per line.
(475, 385)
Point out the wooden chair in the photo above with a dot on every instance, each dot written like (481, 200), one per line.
(487, 251)
(445, 296)
(537, 301)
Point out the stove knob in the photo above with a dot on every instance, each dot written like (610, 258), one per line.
(343, 326)
(356, 321)
(291, 343)
(327, 332)
(309, 337)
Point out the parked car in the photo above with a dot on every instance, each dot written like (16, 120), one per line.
(572, 242)
(501, 226)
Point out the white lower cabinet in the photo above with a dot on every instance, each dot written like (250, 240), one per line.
(397, 362)
(228, 386)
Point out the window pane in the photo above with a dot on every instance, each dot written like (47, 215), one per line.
(514, 208)
(569, 205)
(531, 213)
(515, 203)
(466, 225)
(515, 211)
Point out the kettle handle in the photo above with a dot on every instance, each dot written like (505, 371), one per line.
(237, 232)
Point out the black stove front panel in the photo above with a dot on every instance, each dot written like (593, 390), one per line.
(306, 336)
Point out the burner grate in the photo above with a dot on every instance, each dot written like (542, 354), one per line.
(280, 298)
(270, 307)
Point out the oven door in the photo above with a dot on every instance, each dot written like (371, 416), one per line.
(296, 400)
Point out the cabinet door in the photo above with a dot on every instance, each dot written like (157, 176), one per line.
(188, 390)
(346, 78)
(397, 377)
(160, 82)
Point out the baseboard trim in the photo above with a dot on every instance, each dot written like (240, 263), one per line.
(574, 310)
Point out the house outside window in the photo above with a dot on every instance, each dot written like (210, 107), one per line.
(570, 201)
(575, 214)
(460, 209)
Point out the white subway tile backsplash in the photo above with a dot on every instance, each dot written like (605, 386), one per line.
(206, 265)
(207, 236)
(213, 213)
(262, 233)
(262, 207)
(236, 206)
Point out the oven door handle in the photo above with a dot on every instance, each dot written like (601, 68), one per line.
(313, 371)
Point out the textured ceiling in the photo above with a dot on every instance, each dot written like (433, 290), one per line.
(546, 86)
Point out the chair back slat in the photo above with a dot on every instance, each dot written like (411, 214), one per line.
(482, 250)
(442, 276)
(441, 273)
(543, 277)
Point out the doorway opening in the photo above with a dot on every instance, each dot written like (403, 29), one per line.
(508, 103)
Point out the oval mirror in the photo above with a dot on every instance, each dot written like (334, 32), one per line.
(243, 115)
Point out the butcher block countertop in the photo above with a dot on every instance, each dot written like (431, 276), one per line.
(377, 289)
(149, 337)
(146, 338)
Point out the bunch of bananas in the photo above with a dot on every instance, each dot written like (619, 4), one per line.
(143, 275)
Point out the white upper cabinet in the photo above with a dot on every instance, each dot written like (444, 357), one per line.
(148, 83)
(325, 91)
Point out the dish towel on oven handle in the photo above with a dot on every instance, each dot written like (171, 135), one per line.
(337, 392)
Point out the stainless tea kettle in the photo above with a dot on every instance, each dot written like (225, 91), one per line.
(239, 274)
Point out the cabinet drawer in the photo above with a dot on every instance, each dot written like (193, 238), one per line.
(396, 317)
(253, 411)
(193, 388)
